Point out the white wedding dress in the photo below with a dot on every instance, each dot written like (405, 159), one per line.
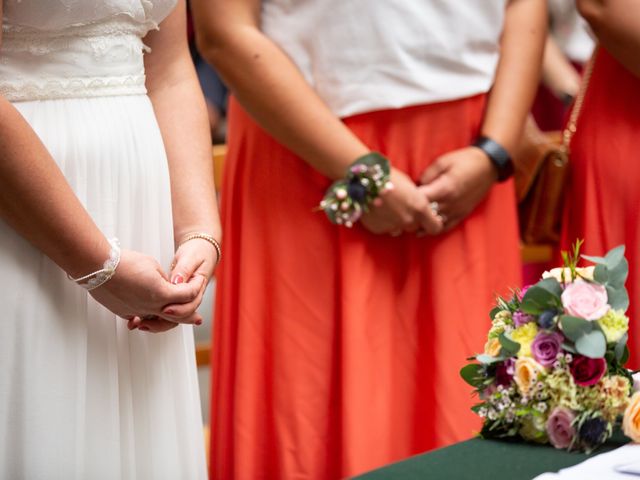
(81, 397)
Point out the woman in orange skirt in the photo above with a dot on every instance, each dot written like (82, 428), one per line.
(603, 198)
(337, 350)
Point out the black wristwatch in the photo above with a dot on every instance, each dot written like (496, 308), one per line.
(498, 156)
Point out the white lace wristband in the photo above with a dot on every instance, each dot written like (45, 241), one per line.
(108, 270)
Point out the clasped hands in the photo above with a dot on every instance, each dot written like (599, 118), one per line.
(150, 300)
(450, 188)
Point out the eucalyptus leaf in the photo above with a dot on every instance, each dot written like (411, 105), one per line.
(618, 274)
(569, 347)
(614, 256)
(537, 299)
(551, 285)
(488, 359)
(592, 344)
(596, 260)
(620, 347)
(618, 298)
(473, 374)
(601, 274)
(574, 327)
(509, 347)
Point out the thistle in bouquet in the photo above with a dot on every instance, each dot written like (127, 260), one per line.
(553, 370)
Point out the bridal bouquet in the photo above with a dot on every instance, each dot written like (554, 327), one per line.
(553, 364)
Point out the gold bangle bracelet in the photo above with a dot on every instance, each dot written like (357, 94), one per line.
(208, 238)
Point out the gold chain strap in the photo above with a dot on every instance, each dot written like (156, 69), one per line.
(571, 127)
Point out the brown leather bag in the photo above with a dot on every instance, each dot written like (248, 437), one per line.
(541, 163)
(541, 166)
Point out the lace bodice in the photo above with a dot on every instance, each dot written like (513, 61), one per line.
(75, 48)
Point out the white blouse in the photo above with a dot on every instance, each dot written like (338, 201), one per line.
(364, 55)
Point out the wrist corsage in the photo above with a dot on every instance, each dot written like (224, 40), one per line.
(348, 199)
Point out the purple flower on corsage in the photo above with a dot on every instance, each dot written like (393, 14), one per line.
(560, 428)
(521, 318)
(545, 347)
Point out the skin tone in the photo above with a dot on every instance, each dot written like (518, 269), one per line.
(229, 37)
(616, 23)
(38, 203)
(461, 179)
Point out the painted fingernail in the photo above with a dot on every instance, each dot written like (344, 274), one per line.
(198, 322)
(177, 279)
(143, 328)
(170, 311)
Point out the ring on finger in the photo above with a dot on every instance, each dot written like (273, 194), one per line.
(435, 206)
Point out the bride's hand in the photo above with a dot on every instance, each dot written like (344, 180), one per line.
(140, 288)
(194, 261)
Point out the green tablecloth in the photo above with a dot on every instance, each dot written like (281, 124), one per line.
(479, 459)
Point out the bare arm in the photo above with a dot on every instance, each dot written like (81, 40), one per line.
(616, 23)
(181, 112)
(251, 64)
(558, 74)
(518, 72)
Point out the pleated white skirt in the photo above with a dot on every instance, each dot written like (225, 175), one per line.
(82, 397)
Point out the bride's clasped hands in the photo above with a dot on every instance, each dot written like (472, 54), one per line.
(154, 301)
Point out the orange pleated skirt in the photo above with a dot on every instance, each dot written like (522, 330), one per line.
(337, 351)
(603, 196)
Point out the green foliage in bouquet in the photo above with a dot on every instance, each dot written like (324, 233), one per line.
(553, 365)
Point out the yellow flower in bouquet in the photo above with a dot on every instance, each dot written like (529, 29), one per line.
(614, 325)
(525, 335)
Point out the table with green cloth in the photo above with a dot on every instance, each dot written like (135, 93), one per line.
(479, 459)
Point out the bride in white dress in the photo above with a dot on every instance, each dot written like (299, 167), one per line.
(90, 150)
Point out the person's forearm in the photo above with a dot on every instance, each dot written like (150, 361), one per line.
(182, 118)
(180, 109)
(616, 23)
(271, 88)
(558, 74)
(518, 71)
(38, 203)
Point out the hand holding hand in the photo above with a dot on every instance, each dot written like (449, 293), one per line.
(458, 181)
(140, 288)
(194, 261)
(402, 208)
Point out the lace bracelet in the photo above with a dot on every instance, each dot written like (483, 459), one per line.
(348, 199)
(108, 270)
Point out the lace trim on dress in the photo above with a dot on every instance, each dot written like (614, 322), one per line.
(16, 91)
(101, 37)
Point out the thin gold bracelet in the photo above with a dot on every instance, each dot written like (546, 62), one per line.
(206, 237)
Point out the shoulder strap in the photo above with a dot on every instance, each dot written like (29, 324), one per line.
(571, 127)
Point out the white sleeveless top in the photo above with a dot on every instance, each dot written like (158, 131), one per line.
(55, 49)
(364, 55)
